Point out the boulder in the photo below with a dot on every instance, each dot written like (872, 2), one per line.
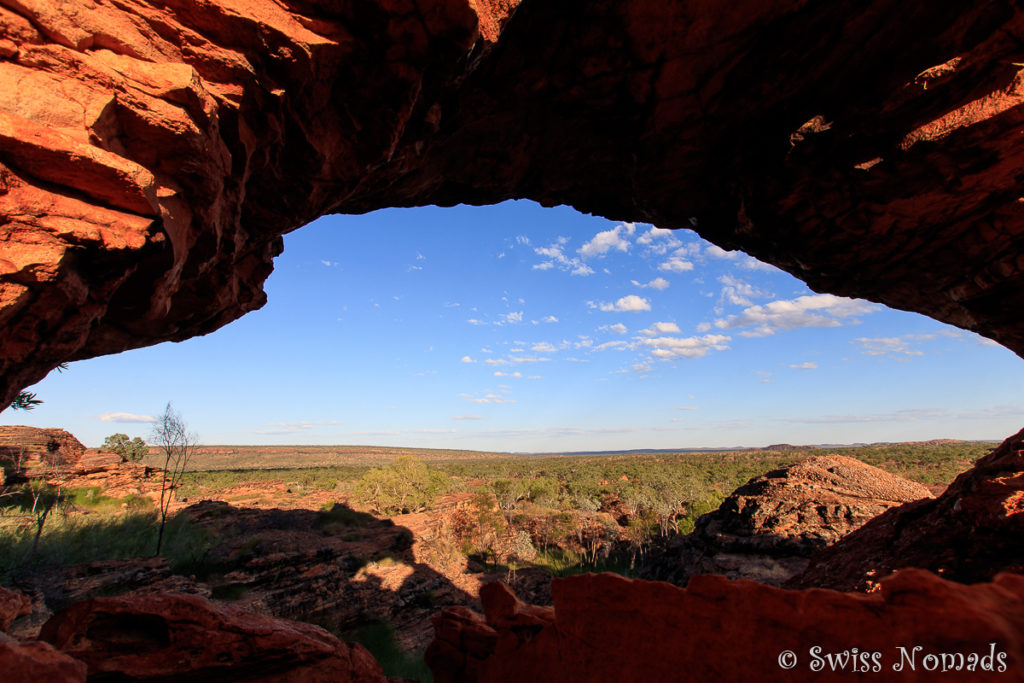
(176, 636)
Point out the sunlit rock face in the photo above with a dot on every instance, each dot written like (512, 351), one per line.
(153, 153)
(604, 627)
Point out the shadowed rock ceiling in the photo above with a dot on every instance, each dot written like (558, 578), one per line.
(153, 153)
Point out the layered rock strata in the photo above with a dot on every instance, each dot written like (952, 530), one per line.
(769, 528)
(970, 533)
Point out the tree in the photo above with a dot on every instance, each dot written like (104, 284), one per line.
(171, 436)
(26, 400)
(129, 449)
(407, 485)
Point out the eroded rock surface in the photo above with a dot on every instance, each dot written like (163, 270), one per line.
(970, 533)
(152, 153)
(175, 636)
(768, 528)
(607, 628)
(32, 447)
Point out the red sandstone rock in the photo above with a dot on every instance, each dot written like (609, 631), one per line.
(768, 528)
(607, 628)
(12, 605)
(30, 447)
(970, 533)
(160, 637)
(33, 661)
(153, 153)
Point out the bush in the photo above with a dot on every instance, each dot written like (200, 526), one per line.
(129, 449)
(406, 486)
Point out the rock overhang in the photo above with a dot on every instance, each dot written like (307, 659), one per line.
(152, 154)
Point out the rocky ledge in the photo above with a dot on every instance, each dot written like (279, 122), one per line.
(769, 528)
(607, 628)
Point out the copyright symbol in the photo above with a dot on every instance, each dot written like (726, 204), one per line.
(787, 659)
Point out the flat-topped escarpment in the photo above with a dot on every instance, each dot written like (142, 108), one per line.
(153, 153)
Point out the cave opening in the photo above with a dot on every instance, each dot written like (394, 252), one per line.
(520, 328)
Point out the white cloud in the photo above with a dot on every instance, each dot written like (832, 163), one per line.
(617, 328)
(667, 348)
(556, 258)
(703, 327)
(628, 304)
(659, 241)
(660, 328)
(605, 241)
(549, 319)
(522, 239)
(544, 347)
(467, 417)
(330, 264)
(613, 345)
(897, 348)
(687, 408)
(467, 359)
(676, 263)
(487, 398)
(809, 365)
(737, 292)
(513, 318)
(716, 251)
(658, 283)
(515, 374)
(819, 310)
(125, 417)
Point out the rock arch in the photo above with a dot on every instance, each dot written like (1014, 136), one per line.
(152, 153)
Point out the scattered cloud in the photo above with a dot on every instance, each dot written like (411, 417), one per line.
(487, 398)
(809, 365)
(617, 328)
(613, 345)
(896, 348)
(669, 348)
(676, 263)
(544, 347)
(556, 258)
(607, 240)
(660, 328)
(126, 417)
(658, 241)
(512, 318)
(467, 417)
(549, 319)
(715, 251)
(738, 292)
(516, 374)
(687, 408)
(467, 359)
(819, 310)
(330, 264)
(627, 304)
(658, 283)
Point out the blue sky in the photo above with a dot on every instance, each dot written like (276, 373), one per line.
(520, 328)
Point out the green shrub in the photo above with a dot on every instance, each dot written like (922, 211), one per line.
(407, 485)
